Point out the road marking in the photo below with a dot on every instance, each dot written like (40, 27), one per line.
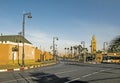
(105, 70)
(95, 72)
(57, 74)
(66, 71)
(87, 75)
(90, 74)
(40, 76)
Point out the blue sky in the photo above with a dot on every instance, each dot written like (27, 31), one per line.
(72, 21)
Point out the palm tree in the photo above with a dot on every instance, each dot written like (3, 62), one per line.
(75, 50)
(79, 49)
(65, 51)
(68, 51)
(71, 49)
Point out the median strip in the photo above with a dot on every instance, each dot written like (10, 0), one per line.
(27, 67)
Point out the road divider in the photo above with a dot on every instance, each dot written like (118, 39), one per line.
(27, 67)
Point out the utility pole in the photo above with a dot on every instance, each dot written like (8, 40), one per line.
(84, 51)
(23, 33)
(54, 53)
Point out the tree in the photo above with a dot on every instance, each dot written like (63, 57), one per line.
(71, 49)
(79, 49)
(114, 46)
(65, 51)
(75, 50)
(99, 51)
(68, 51)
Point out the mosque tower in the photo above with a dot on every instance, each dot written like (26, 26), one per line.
(93, 44)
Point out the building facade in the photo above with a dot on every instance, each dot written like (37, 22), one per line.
(11, 50)
(93, 45)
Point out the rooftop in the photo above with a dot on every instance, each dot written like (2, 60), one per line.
(14, 38)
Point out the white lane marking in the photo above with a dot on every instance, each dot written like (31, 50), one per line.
(105, 70)
(59, 73)
(90, 74)
(95, 72)
(40, 76)
(87, 75)
(65, 72)
(102, 70)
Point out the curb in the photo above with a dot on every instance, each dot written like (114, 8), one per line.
(25, 68)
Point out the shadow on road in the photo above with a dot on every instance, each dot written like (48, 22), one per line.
(77, 81)
(41, 77)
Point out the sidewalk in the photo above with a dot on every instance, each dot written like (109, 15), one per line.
(16, 67)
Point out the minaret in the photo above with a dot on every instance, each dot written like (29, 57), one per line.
(93, 44)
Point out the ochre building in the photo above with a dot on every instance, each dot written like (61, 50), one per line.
(11, 50)
(93, 45)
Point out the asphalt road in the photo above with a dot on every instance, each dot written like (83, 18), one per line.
(66, 72)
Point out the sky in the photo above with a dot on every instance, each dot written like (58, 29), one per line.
(72, 21)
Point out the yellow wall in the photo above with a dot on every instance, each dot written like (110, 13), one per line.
(38, 54)
(32, 54)
(28, 54)
(4, 53)
(7, 55)
(47, 56)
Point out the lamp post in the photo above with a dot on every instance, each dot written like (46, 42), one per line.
(104, 46)
(54, 53)
(83, 42)
(23, 33)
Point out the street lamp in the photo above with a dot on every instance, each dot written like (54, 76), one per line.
(54, 53)
(83, 42)
(84, 51)
(19, 41)
(104, 46)
(23, 33)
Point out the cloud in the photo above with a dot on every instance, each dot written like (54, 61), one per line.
(39, 39)
(45, 40)
(84, 31)
(102, 32)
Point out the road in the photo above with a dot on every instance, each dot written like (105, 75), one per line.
(66, 72)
